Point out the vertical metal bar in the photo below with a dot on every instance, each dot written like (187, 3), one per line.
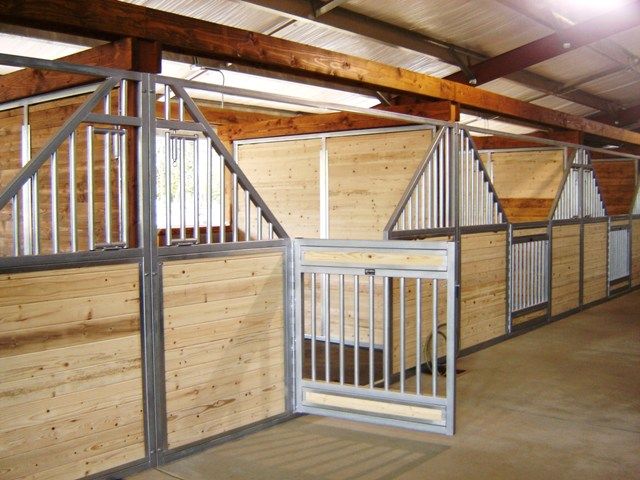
(434, 189)
(183, 186)
(124, 209)
(16, 225)
(423, 201)
(209, 194)
(313, 327)
(73, 220)
(107, 103)
(341, 308)
(180, 109)
(418, 336)
(371, 326)
(441, 185)
(90, 187)
(326, 316)
(122, 101)
(168, 146)
(234, 207)
(54, 202)
(247, 215)
(429, 195)
(223, 199)
(107, 187)
(447, 175)
(386, 332)
(402, 335)
(434, 339)
(356, 330)
(258, 223)
(167, 102)
(196, 189)
(27, 196)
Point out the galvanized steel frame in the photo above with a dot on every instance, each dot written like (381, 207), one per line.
(449, 273)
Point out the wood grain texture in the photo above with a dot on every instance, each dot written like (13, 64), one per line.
(286, 176)
(527, 182)
(565, 286)
(595, 262)
(483, 287)
(224, 343)
(436, 260)
(368, 174)
(635, 252)
(71, 378)
(617, 184)
(335, 122)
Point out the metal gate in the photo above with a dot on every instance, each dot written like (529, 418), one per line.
(364, 311)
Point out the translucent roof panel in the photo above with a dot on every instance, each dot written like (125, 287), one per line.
(486, 26)
(265, 85)
(31, 47)
(226, 12)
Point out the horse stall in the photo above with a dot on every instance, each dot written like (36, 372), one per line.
(143, 283)
(149, 301)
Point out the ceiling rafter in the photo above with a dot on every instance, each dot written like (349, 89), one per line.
(562, 41)
(541, 13)
(343, 19)
(111, 19)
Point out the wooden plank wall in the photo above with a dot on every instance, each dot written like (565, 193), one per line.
(10, 135)
(286, 176)
(635, 252)
(224, 343)
(526, 181)
(617, 181)
(71, 378)
(565, 286)
(483, 287)
(595, 262)
(368, 174)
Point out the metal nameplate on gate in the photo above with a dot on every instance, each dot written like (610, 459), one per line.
(369, 271)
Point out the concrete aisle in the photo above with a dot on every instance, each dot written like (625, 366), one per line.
(561, 402)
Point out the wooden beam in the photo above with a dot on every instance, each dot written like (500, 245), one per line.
(180, 34)
(333, 122)
(125, 54)
(601, 26)
(496, 142)
(622, 118)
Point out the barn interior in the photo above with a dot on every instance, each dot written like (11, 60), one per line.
(319, 239)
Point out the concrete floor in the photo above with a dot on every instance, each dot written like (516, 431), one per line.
(561, 402)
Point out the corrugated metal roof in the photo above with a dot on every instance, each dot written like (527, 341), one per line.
(226, 12)
(623, 87)
(511, 89)
(30, 47)
(482, 25)
(557, 103)
(572, 66)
